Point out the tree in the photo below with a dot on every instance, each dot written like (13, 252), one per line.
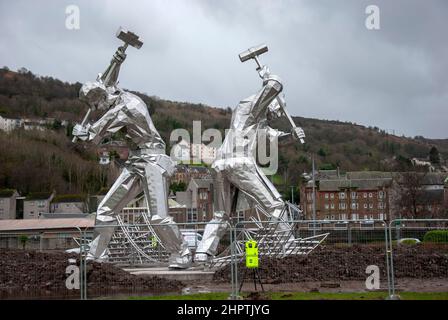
(23, 240)
(434, 155)
(413, 200)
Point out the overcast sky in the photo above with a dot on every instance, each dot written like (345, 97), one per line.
(332, 66)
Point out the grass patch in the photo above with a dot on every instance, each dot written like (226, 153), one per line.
(377, 295)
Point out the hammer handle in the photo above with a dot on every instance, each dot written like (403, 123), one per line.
(280, 102)
(86, 117)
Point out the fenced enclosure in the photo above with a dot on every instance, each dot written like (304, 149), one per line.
(297, 256)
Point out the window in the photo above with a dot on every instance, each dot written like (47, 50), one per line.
(354, 205)
(326, 196)
(353, 195)
(332, 217)
(371, 217)
(341, 195)
(41, 204)
(1, 201)
(365, 194)
(327, 217)
(381, 216)
(342, 206)
(370, 205)
(332, 195)
(381, 194)
(332, 206)
(343, 216)
(370, 195)
(365, 205)
(327, 206)
(355, 216)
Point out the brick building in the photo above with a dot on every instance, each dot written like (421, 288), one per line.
(198, 200)
(185, 173)
(352, 196)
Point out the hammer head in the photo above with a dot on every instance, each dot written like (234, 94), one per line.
(130, 38)
(253, 52)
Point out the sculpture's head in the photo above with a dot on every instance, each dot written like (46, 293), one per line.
(98, 96)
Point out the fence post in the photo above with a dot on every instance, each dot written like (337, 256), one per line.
(349, 230)
(391, 264)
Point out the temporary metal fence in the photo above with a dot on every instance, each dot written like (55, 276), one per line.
(34, 265)
(418, 254)
(308, 255)
(314, 255)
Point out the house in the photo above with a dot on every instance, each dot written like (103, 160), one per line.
(8, 199)
(37, 203)
(193, 153)
(68, 204)
(352, 196)
(198, 199)
(8, 125)
(184, 173)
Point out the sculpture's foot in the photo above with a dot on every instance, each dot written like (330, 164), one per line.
(201, 258)
(179, 262)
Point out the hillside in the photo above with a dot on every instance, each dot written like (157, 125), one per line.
(334, 144)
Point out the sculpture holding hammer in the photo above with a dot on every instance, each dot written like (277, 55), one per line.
(147, 169)
(235, 168)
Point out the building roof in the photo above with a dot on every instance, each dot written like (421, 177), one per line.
(369, 175)
(360, 184)
(203, 183)
(173, 204)
(45, 224)
(64, 198)
(39, 196)
(7, 193)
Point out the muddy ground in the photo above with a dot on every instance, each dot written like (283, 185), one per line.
(32, 274)
(346, 263)
(29, 274)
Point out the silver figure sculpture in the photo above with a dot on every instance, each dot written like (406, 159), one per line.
(235, 167)
(147, 169)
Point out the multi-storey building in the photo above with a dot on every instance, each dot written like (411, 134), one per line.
(353, 196)
(185, 173)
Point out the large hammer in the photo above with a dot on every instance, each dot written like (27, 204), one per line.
(253, 53)
(129, 38)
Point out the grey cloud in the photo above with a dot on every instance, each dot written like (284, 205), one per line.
(332, 66)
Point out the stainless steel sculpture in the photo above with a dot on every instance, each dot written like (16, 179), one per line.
(147, 168)
(235, 167)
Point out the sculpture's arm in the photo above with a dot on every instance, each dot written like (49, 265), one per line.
(272, 87)
(110, 77)
(111, 122)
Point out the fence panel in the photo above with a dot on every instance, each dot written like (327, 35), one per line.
(419, 255)
(36, 266)
(315, 256)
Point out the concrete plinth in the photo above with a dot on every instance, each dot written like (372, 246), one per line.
(181, 275)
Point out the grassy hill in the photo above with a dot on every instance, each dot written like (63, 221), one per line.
(333, 143)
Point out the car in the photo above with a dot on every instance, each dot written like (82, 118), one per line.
(408, 240)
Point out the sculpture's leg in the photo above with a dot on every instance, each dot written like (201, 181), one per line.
(249, 178)
(156, 187)
(125, 188)
(217, 227)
